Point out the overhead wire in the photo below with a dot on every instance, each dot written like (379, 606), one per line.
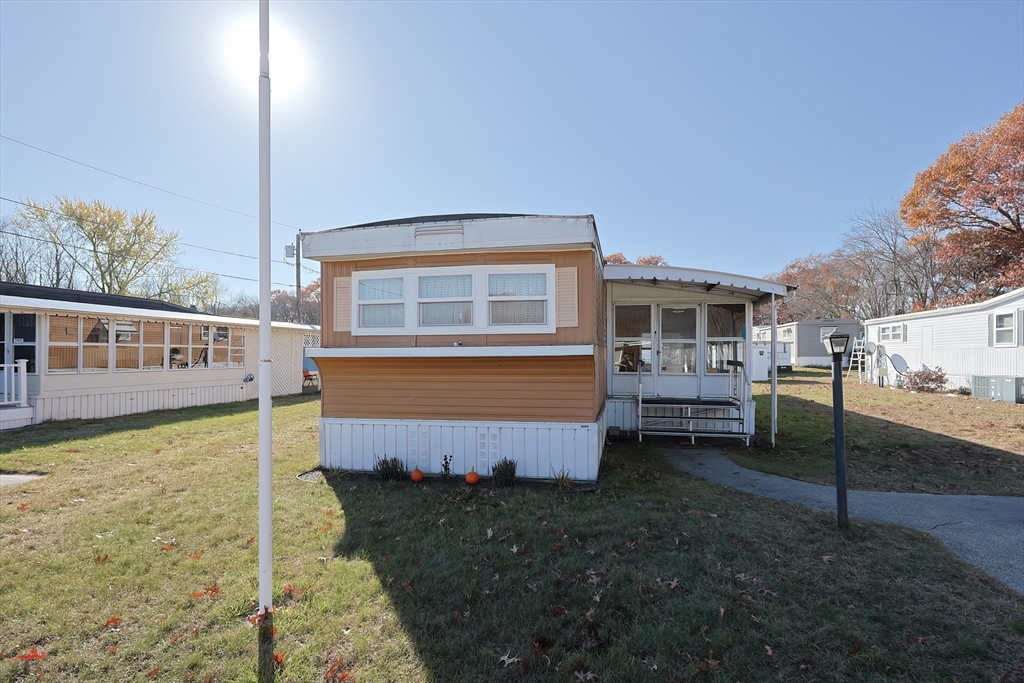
(160, 189)
(185, 244)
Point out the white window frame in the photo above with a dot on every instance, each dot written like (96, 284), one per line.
(481, 301)
(996, 329)
(891, 333)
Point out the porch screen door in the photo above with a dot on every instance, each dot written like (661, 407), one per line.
(677, 351)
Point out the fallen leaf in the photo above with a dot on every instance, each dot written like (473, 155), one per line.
(250, 540)
(113, 648)
(100, 559)
(558, 547)
(557, 611)
(506, 660)
(23, 507)
(153, 673)
(212, 590)
(828, 559)
(768, 651)
(278, 659)
(766, 591)
(167, 547)
(195, 595)
(112, 622)
(674, 583)
(194, 555)
(31, 656)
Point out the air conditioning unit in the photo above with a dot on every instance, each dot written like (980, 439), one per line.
(998, 388)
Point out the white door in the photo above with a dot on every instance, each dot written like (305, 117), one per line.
(926, 346)
(677, 360)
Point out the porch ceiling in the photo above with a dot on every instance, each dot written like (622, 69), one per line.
(695, 280)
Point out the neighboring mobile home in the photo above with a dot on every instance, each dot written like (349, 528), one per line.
(68, 354)
(808, 339)
(982, 339)
(489, 336)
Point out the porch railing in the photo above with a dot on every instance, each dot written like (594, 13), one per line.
(14, 384)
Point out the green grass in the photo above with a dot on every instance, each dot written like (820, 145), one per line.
(654, 577)
(896, 441)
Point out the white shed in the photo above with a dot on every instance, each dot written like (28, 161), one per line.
(66, 354)
(982, 339)
(808, 339)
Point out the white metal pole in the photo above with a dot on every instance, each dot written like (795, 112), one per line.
(265, 368)
(775, 372)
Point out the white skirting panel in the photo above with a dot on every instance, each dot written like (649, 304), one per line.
(541, 449)
(13, 417)
(96, 406)
(621, 413)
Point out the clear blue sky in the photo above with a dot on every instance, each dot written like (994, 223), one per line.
(728, 136)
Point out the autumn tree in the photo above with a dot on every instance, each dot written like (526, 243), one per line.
(978, 183)
(93, 246)
(650, 260)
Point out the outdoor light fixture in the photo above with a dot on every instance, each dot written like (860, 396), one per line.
(837, 344)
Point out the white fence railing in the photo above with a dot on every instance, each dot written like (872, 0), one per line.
(14, 384)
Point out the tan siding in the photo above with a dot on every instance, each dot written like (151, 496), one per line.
(585, 333)
(559, 389)
(600, 289)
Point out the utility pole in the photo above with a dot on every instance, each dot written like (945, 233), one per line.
(298, 278)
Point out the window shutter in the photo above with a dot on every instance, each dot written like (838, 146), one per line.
(567, 312)
(991, 329)
(1020, 326)
(342, 304)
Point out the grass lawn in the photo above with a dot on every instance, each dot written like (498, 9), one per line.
(896, 441)
(134, 559)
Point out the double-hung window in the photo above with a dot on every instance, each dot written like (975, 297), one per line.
(1004, 330)
(63, 346)
(127, 342)
(445, 300)
(381, 302)
(95, 344)
(726, 326)
(890, 333)
(455, 300)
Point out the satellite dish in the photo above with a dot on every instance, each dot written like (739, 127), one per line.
(899, 363)
(870, 347)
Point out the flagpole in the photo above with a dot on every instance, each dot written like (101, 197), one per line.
(266, 576)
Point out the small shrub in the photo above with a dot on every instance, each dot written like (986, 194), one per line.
(963, 391)
(563, 479)
(504, 473)
(390, 469)
(927, 380)
(446, 468)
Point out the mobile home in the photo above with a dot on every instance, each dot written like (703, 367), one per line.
(68, 354)
(490, 336)
(808, 339)
(976, 340)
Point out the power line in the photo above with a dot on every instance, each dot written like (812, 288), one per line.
(139, 182)
(163, 263)
(186, 244)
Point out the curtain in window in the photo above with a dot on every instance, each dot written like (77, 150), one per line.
(517, 284)
(382, 289)
(63, 357)
(381, 315)
(518, 312)
(446, 286)
(446, 313)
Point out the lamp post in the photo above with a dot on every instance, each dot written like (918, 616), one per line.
(837, 344)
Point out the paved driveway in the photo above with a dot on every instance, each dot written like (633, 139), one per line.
(987, 531)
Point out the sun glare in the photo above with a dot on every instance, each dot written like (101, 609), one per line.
(242, 54)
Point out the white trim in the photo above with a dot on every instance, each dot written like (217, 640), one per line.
(52, 306)
(481, 301)
(952, 310)
(452, 351)
(1014, 326)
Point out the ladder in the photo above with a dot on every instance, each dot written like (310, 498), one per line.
(858, 358)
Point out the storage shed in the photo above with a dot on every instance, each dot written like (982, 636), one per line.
(71, 354)
(984, 339)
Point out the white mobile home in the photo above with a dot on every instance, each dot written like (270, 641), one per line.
(808, 339)
(982, 339)
(67, 354)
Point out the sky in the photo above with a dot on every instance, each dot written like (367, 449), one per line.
(725, 136)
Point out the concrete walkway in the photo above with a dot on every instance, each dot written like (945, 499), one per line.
(987, 531)
(12, 479)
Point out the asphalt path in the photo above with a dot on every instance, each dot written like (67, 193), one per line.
(987, 531)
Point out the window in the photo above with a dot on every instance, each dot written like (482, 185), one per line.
(517, 298)
(153, 346)
(513, 299)
(679, 340)
(127, 344)
(236, 349)
(382, 314)
(200, 354)
(178, 343)
(632, 326)
(890, 333)
(63, 346)
(726, 333)
(445, 300)
(825, 332)
(1004, 329)
(219, 358)
(95, 344)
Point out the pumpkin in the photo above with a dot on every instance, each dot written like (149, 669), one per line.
(472, 478)
(417, 475)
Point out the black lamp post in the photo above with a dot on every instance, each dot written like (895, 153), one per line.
(837, 344)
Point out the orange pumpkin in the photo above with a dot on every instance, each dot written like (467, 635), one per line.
(472, 478)
(417, 475)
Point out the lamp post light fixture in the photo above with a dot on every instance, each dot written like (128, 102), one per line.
(837, 344)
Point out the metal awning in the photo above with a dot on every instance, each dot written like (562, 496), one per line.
(696, 280)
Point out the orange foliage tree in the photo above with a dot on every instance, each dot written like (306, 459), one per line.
(650, 260)
(978, 183)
